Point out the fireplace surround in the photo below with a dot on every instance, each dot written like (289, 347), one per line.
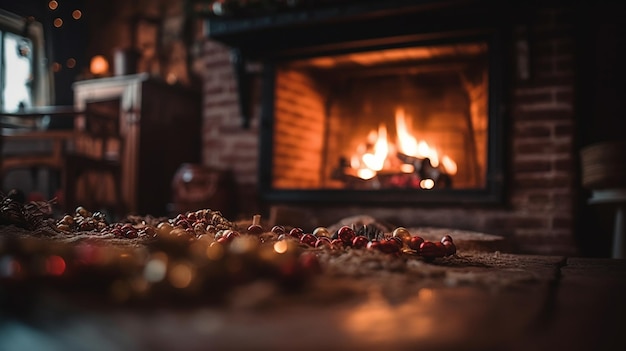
(437, 63)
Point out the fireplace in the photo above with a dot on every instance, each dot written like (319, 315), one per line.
(374, 102)
(401, 123)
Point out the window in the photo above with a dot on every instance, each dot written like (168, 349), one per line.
(24, 75)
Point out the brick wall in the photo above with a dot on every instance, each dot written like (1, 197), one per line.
(539, 209)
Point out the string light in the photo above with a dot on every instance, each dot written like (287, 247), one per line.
(58, 22)
(70, 63)
(53, 5)
(77, 14)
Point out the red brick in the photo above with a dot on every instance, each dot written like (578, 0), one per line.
(516, 223)
(534, 131)
(563, 129)
(552, 182)
(562, 223)
(566, 165)
(532, 166)
(545, 69)
(533, 97)
(539, 147)
(566, 96)
(544, 115)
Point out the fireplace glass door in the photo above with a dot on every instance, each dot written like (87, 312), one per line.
(386, 120)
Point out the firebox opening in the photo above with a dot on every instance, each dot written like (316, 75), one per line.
(397, 118)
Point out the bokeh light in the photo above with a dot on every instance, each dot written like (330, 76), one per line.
(98, 65)
(180, 275)
(55, 265)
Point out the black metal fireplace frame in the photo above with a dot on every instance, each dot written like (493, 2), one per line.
(275, 38)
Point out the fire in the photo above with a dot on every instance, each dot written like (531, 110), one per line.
(376, 161)
(379, 155)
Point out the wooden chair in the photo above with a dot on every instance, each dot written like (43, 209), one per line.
(93, 170)
(28, 144)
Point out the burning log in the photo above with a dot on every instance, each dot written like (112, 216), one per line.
(422, 175)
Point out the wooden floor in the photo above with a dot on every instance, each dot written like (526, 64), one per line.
(471, 301)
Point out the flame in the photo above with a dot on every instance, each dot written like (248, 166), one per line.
(407, 143)
(449, 165)
(375, 154)
(425, 151)
(376, 161)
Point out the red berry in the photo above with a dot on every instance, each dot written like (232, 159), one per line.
(346, 234)
(446, 238)
(389, 246)
(296, 232)
(450, 248)
(255, 229)
(231, 235)
(397, 241)
(308, 239)
(441, 250)
(428, 250)
(183, 223)
(323, 241)
(415, 242)
(277, 229)
(373, 245)
(360, 242)
(336, 244)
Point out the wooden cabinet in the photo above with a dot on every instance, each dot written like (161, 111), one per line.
(161, 128)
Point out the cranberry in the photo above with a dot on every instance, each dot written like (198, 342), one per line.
(179, 217)
(428, 250)
(346, 234)
(446, 238)
(183, 223)
(336, 244)
(323, 241)
(150, 232)
(223, 240)
(441, 249)
(396, 240)
(415, 242)
(308, 239)
(388, 246)
(277, 229)
(231, 235)
(360, 242)
(131, 234)
(450, 248)
(117, 232)
(373, 245)
(191, 216)
(296, 232)
(255, 229)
